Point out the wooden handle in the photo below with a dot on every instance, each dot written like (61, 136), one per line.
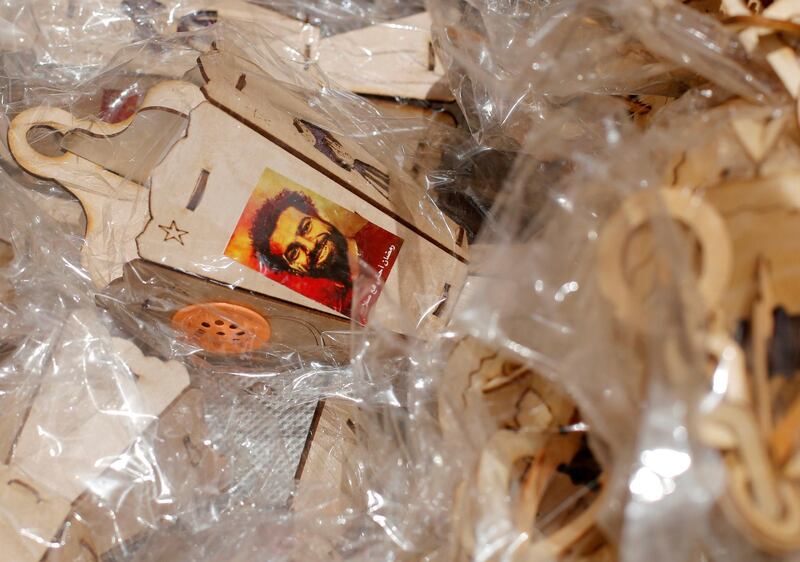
(116, 208)
(73, 172)
(78, 174)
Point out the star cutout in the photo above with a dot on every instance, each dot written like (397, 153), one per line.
(173, 232)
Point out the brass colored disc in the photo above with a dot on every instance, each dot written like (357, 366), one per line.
(221, 327)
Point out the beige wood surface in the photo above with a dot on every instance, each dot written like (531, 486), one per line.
(61, 451)
(321, 477)
(116, 208)
(234, 146)
(780, 55)
(394, 58)
(267, 106)
(760, 219)
(234, 152)
(290, 33)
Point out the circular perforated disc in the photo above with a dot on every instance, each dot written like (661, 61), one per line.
(222, 327)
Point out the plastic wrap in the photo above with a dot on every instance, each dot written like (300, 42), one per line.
(463, 281)
(630, 265)
(156, 404)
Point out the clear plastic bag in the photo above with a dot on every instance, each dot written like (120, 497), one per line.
(234, 323)
(240, 375)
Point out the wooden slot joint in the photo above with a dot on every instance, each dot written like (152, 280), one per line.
(241, 82)
(199, 190)
(461, 237)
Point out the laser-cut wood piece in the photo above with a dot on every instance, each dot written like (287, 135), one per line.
(61, 451)
(199, 190)
(785, 438)
(148, 296)
(298, 36)
(322, 474)
(36, 509)
(758, 136)
(503, 497)
(763, 327)
(157, 386)
(235, 138)
(758, 215)
(115, 207)
(395, 58)
(635, 212)
(761, 499)
(126, 508)
(760, 28)
(516, 396)
(764, 507)
(497, 511)
(755, 371)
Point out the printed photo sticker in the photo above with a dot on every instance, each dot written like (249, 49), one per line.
(311, 245)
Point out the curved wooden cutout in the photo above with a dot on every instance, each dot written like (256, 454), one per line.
(116, 208)
(635, 212)
(494, 481)
(777, 534)
(556, 544)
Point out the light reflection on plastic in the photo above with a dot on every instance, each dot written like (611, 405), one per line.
(566, 289)
(32, 535)
(647, 486)
(721, 379)
(375, 501)
(565, 203)
(667, 463)
(656, 478)
(55, 449)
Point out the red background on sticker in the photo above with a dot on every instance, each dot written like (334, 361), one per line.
(374, 244)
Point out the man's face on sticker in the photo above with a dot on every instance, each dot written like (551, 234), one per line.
(309, 245)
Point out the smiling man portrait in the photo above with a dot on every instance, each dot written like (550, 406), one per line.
(313, 245)
(289, 235)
